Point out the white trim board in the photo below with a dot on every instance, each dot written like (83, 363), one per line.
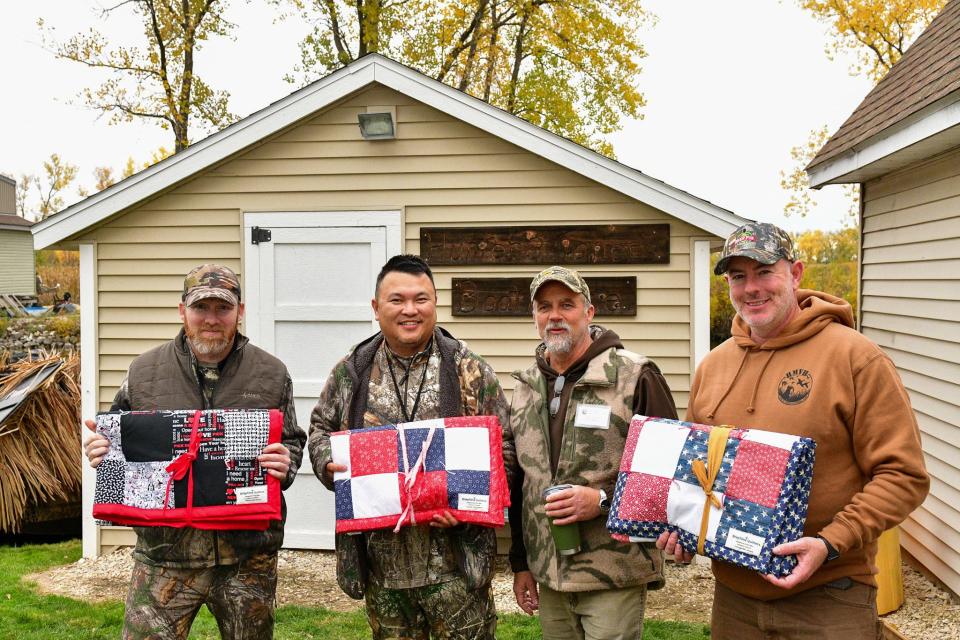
(89, 385)
(923, 135)
(359, 74)
(701, 302)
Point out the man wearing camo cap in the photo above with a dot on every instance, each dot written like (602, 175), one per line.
(796, 365)
(569, 417)
(208, 365)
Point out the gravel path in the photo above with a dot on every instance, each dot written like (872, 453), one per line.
(308, 578)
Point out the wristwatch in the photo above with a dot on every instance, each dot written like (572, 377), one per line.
(832, 553)
(604, 503)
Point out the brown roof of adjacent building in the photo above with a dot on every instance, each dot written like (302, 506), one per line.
(928, 71)
(13, 220)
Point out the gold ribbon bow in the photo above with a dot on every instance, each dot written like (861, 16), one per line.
(707, 475)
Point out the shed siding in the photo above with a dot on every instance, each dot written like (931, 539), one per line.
(17, 273)
(438, 172)
(911, 304)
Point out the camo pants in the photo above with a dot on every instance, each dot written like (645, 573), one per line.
(163, 601)
(445, 611)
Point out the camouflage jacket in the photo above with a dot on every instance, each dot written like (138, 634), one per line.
(588, 457)
(166, 377)
(455, 381)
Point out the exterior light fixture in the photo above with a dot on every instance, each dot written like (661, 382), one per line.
(377, 125)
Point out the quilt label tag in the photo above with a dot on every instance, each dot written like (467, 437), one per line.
(744, 542)
(251, 495)
(473, 502)
(592, 416)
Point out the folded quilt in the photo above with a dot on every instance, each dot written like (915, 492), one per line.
(399, 475)
(188, 468)
(731, 494)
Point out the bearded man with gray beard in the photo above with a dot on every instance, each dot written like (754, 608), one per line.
(569, 415)
(208, 365)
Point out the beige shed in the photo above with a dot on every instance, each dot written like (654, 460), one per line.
(17, 267)
(335, 206)
(902, 145)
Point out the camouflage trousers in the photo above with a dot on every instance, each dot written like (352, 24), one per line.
(163, 601)
(445, 611)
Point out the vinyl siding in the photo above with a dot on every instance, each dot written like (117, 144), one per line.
(17, 273)
(911, 307)
(438, 172)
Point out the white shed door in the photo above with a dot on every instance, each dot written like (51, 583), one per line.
(308, 301)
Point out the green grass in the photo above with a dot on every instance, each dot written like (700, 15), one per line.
(25, 615)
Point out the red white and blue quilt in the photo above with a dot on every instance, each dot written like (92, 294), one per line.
(758, 495)
(403, 474)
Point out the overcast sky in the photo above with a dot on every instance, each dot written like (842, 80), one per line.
(730, 86)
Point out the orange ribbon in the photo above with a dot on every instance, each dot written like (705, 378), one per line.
(707, 475)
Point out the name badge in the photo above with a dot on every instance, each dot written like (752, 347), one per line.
(592, 416)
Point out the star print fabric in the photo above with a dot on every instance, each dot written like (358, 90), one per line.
(408, 472)
(188, 468)
(762, 485)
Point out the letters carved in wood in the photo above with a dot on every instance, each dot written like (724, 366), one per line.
(511, 296)
(566, 245)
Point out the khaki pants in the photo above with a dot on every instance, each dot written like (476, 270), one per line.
(162, 601)
(821, 613)
(609, 614)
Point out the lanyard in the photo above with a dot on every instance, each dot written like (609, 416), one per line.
(402, 398)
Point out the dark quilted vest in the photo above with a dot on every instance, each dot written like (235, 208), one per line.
(165, 378)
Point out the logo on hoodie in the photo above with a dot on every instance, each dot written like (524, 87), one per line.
(795, 386)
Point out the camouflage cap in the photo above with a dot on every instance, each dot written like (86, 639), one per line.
(567, 277)
(761, 241)
(211, 281)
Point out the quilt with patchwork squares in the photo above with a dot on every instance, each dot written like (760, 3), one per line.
(403, 474)
(731, 494)
(188, 468)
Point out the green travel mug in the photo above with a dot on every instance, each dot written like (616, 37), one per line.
(566, 537)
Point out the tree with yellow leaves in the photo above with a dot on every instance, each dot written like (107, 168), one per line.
(155, 81)
(877, 32)
(57, 176)
(569, 67)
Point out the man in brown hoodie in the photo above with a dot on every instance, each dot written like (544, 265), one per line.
(795, 365)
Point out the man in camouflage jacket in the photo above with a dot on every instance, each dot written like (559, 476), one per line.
(424, 580)
(208, 365)
(569, 417)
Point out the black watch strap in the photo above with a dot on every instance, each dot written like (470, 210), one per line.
(832, 553)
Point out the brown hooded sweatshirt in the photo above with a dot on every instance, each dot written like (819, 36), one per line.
(821, 379)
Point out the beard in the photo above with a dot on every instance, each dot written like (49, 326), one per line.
(558, 343)
(207, 346)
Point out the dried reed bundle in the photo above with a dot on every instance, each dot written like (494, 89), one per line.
(40, 453)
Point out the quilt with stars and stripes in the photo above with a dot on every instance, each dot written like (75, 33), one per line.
(403, 474)
(188, 468)
(762, 488)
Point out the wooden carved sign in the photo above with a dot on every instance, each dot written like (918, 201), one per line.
(580, 244)
(511, 296)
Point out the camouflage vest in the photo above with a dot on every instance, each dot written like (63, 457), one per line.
(165, 378)
(589, 457)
